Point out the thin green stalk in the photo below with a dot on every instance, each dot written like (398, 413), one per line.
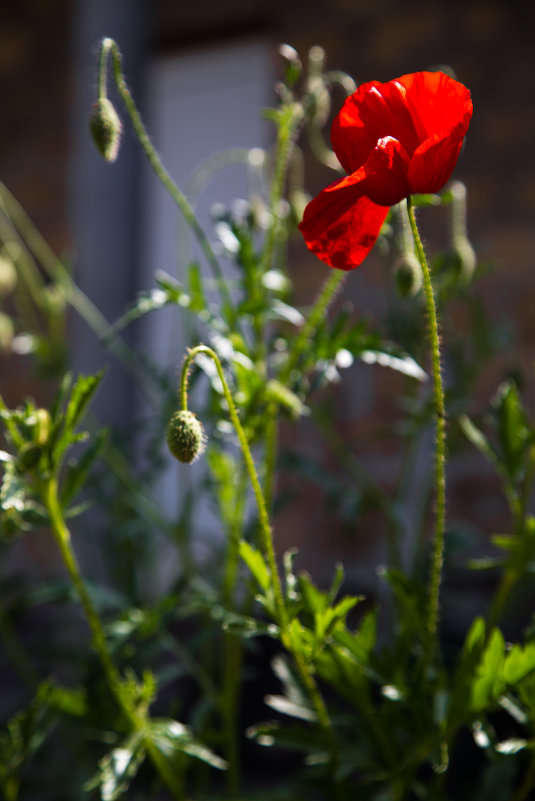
(317, 313)
(270, 453)
(62, 536)
(232, 645)
(440, 448)
(287, 131)
(267, 539)
(57, 271)
(109, 46)
(268, 548)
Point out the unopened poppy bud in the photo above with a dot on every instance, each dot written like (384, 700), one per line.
(185, 436)
(43, 426)
(408, 275)
(465, 257)
(8, 275)
(293, 66)
(106, 128)
(7, 332)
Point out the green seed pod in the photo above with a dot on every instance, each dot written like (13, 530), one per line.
(43, 426)
(408, 275)
(106, 128)
(7, 332)
(185, 436)
(466, 259)
(8, 275)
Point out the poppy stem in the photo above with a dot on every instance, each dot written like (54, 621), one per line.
(110, 48)
(281, 611)
(440, 448)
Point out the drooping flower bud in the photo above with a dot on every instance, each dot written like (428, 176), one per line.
(408, 275)
(292, 63)
(463, 252)
(185, 436)
(106, 128)
(8, 274)
(7, 332)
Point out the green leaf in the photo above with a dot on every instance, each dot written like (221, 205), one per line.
(293, 702)
(513, 429)
(474, 435)
(81, 395)
(196, 288)
(519, 663)
(117, 769)
(167, 293)
(401, 363)
(256, 564)
(77, 471)
(172, 738)
(489, 681)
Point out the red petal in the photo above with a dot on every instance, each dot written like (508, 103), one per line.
(387, 170)
(374, 111)
(341, 224)
(410, 109)
(437, 103)
(433, 162)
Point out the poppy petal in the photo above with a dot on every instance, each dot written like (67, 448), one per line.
(341, 224)
(433, 162)
(374, 111)
(437, 103)
(387, 172)
(351, 139)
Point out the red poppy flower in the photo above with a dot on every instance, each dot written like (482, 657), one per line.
(393, 139)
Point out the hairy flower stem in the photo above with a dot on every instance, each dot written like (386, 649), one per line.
(49, 493)
(268, 548)
(440, 449)
(110, 47)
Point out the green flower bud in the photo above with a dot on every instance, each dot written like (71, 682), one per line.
(465, 257)
(7, 332)
(8, 275)
(408, 275)
(185, 436)
(106, 128)
(43, 426)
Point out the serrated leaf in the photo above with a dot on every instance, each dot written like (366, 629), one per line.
(519, 663)
(291, 708)
(488, 683)
(283, 311)
(402, 364)
(256, 564)
(474, 435)
(146, 302)
(118, 768)
(81, 395)
(172, 738)
(514, 432)
(196, 288)
(77, 471)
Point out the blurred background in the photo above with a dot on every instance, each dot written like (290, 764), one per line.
(201, 73)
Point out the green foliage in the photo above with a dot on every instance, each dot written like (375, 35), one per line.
(193, 621)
